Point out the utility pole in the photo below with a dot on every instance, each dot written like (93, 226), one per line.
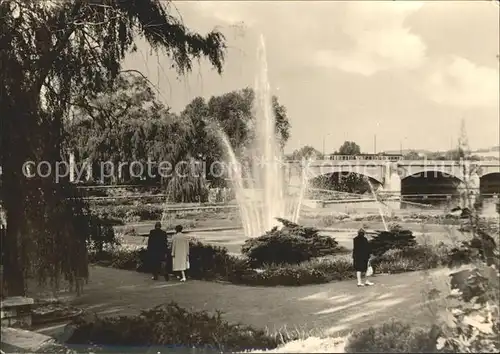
(375, 144)
(400, 147)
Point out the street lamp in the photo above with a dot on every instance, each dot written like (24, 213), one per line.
(375, 139)
(401, 145)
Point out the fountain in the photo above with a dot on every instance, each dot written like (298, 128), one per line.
(261, 195)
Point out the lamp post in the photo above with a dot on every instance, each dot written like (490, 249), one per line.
(375, 139)
(401, 145)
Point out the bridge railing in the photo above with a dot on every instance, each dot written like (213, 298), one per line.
(364, 157)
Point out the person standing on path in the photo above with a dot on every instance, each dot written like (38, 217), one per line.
(157, 251)
(180, 252)
(361, 256)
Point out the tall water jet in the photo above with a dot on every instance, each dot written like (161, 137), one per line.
(259, 188)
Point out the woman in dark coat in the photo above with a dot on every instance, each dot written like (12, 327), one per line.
(361, 257)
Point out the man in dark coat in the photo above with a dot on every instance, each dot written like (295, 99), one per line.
(157, 250)
(361, 256)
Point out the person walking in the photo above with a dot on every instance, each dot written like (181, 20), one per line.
(157, 251)
(361, 256)
(180, 252)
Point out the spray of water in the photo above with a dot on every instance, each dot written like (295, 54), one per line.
(380, 211)
(261, 195)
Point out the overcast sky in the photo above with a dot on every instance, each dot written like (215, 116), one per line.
(407, 72)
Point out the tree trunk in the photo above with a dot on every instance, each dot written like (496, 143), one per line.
(14, 200)
(13, 271)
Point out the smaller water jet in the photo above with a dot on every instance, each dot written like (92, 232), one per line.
(380, 211)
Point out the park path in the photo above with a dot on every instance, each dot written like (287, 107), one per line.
(333, 308)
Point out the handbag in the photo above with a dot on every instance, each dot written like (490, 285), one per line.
(369, 271)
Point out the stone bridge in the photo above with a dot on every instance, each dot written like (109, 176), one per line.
(389, 174)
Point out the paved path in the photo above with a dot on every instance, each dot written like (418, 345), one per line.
(333, 308)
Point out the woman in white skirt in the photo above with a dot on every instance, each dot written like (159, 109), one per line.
(180, 252)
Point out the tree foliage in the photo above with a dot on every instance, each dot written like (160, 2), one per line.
(412, 155)
(188, 183)
(58, 55)
(349, 148)
(306, 152)
(348, 182)
(128, 123)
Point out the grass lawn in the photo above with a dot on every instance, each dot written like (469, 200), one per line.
(333, 309)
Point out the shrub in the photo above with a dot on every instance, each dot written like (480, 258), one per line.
(393, 337)
(318, 271)
(206, 261)
(130, 260)
(282, 276)
(209, 262)
(130, 213)
(396, 238)
(480, 248)
(170, 325)
(472, 322)
(292, 244)
(419, 257)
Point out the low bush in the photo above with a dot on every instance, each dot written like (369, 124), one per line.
(394, 239)
(212, 262)
(295, 275)
(209, 262)
(419, 257)
(125, 259)
(131, 213)
(206, 261)
(471, 322)
(316, 271)
(480, 248)
(393, 337)
(292, 244)
(170, 325)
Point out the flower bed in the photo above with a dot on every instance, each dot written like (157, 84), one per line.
(214, 263)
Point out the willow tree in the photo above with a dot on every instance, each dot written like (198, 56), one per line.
(125, 123)
(56, 55)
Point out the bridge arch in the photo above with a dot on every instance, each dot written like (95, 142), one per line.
(430, 182)
(351, 182)
(489, 183)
